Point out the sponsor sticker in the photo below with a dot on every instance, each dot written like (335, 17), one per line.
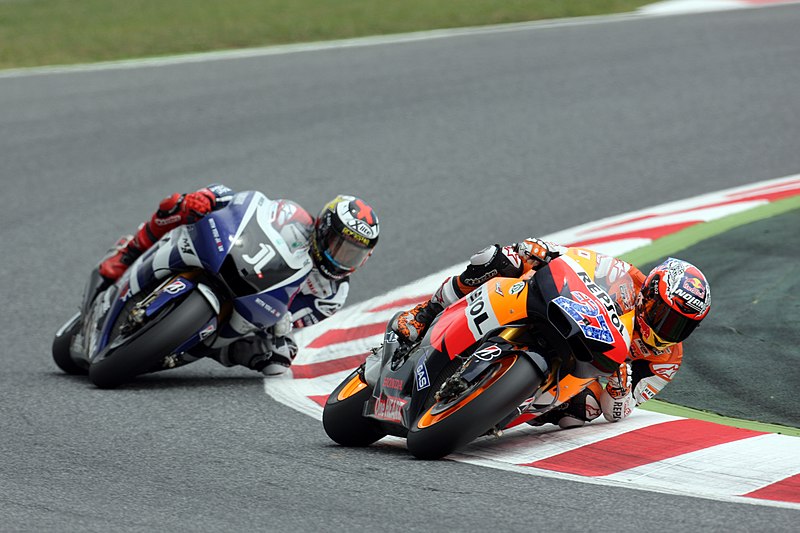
(421, 372)
(390, 408)
(207, 331)
(517, 287)
(176, 287)
(393, 383)
(215, 233)
(498, 289)
(694, 286)
(488, 353)
(587, 315)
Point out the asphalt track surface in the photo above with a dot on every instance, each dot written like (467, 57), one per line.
(456, 142)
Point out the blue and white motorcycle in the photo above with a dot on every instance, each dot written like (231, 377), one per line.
(199, 288)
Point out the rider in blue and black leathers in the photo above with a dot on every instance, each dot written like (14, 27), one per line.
(342, 237)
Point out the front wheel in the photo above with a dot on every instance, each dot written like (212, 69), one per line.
(152, 343)
(342, 416)
(450, 424)
(62, 355)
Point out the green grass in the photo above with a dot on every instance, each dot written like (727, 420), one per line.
(658, 406)
(52, 32)
(672, 244)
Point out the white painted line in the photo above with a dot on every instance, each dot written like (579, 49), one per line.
(736, 467)
(659, 9)
(377, 40)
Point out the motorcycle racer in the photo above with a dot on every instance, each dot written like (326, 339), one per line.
(342, 238)
(670, 301)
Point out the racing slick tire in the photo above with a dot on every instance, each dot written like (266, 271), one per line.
(148, 346)
(448, 425)
(61, 347)
(342, 418)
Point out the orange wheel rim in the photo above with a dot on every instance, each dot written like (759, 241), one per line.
(353, 386)
(429, 418)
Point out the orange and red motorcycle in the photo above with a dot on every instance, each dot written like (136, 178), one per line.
(510, 351)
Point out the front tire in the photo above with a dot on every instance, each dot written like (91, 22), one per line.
(449, 425)
(342, 418)
(62, 355)
(150, 344)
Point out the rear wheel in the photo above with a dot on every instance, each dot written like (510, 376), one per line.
(342, 416)
(452, 423)
(157, 339)
(61, 347)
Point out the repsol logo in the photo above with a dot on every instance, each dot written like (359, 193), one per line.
(603, 296)
(476, 312)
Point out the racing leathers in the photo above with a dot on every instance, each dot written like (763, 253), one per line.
(646, 371)
(270, 351)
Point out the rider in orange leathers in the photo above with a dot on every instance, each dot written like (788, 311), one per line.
(671, 302)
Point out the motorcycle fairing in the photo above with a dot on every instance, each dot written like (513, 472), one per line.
(496, 303)
(266, 241)
(259, 245)
(404, 384)
(596, 325)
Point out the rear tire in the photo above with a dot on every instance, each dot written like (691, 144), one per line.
(445, 427)
(342, 418)
(62, 355)
(150, 344)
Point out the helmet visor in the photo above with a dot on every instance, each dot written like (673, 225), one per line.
(667, 323)
(345, 254)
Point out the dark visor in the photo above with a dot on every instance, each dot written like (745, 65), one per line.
(667, 323)
(346, 254)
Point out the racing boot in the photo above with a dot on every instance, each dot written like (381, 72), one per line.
(173, 211)
(272, 356)
(120, 257)
(411, 325)
(282, 351)
(581, 408)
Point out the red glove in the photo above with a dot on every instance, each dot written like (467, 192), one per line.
(198, 204)
(174, 211)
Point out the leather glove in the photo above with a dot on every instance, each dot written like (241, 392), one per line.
(282, 351)
(619, 383)
(411, 325)
(617, 401)
(537, 252)
(196, 205)
(176, 210)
